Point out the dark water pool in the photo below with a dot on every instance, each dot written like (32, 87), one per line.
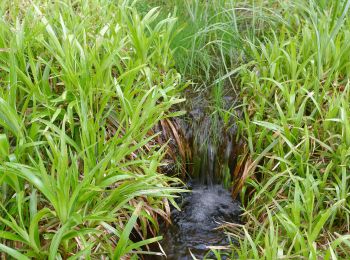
(194, 227)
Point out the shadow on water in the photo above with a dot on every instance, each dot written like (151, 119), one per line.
(213, 144)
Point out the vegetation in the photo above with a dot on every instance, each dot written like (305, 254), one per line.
(290, 69)
(296, 122)
(84, 84)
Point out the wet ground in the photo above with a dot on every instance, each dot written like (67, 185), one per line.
(193, 228)
(206, 139)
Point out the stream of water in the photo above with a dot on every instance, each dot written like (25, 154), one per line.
(213, 146)
(194, 228)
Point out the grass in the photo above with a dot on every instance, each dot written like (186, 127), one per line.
(288, 63)
(82, 87)
(295, 94)
(85, 83)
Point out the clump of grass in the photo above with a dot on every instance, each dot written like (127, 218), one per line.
(82, 86)
(295, 92)
(207, 40)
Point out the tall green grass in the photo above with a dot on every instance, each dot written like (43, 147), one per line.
(295, 92)
(288, 61)
(82, 84)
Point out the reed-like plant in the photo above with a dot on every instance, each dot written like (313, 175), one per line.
(82, 84)
(295, 92)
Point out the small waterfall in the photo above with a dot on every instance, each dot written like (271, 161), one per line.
(212, 141)
(207, 142)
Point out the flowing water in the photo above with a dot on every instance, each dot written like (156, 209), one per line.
(194, 228)
(214, 150)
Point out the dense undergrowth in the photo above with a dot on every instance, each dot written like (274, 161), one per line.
(288, 62)
(296, 121)
(82, 86)
(84, 83)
